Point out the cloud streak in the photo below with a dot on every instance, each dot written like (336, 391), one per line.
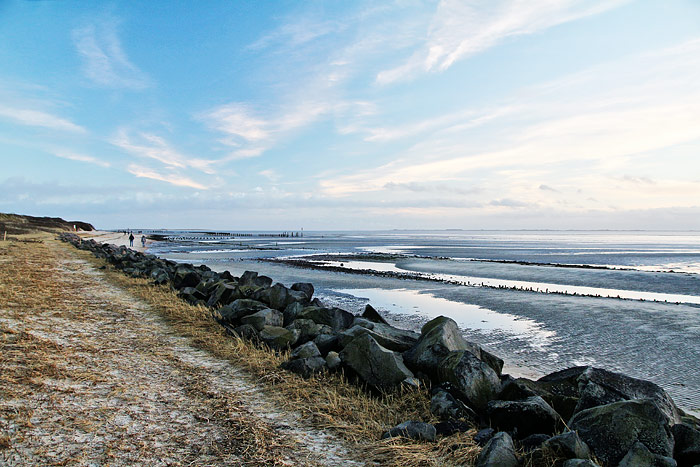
(104, 60)
(460, 29)
(172, 178)
(39, 118)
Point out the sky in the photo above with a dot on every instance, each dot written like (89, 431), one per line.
(277, 115)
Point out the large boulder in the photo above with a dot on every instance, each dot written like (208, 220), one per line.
(252, 279)
(280, 297)
(376, 365)
(561, 395)
(306, 351)
(222, 293)
(567, 445)
(640, 456)
(525, 417)
(326, 343)
(373, 315)
(304, 287)
(309, 330)
(233, 312)
(305, 367)
(185, 277)
(262, 318)
(398, 340)
(474, 381)
(291, 312)
(412, 429)
(445, 407)
(336, 318)
(600, 387)
(498, 452)
(277, 338)
(611, 430)
(439, 337)
(687, 444)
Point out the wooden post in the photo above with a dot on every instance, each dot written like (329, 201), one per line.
(4, 236)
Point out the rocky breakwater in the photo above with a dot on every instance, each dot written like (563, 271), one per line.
(579, 416)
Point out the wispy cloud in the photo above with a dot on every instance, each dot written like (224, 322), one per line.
(104, 60)
(155, 147)
(172, 178)
(39, 118)
(460, 29)
(70, 155)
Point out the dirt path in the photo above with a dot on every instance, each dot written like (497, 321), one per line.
(90, 376)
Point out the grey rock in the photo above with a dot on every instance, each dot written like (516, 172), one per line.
(450, 427)
(475, 381)
(373, 315)
(251, 278)
(308, 329)
(445, 407)
(291, 312)
(278, 338)
(526, 417)
(245, 331)
(233, 312)
(568, 445)
(390, 337)
(376, 365)
(306, 288)
(484, 436)
(639, 456)
(306, 351)
(534, 441)
(333, 360)
(498, 452)
(223, 293)
(611, 430)
(414, 430)
(326, 342)
(305, 367)
(687, 444)
(336, 318)
(279, 297)
(262, 318)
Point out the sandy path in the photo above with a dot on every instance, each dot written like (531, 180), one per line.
(115, 238)
(89, 376)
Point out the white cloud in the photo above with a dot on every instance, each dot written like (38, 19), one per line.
(173, 179)
(39, 118)
(81, 158)
(461, 28)
(105, 61)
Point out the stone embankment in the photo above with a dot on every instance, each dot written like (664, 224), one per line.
(580, 416)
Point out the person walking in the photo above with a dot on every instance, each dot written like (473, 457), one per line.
(143, 241)
(131, 239)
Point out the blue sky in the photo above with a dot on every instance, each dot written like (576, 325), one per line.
(352, 115)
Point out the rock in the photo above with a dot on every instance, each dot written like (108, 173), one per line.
(376, 365)
(568, 445)
(262, 318)
(336, 318)
(475, 381)
(222, 294)
(279, 297)
(326, 343)
(390, 337)
(308, 329)
(450, 427)
(579, 463)
(245, 331)
(498, 452)
(414, 430)
(251, 278)
(522, 388)
(305, 351)
(639, 456)
(445, 407)
(373, 315)
(600, 387)
(524, 417)
(305, 367)
(484, 436)
(306, 288)
(233, 312)
(278, 338)
(191, 295)
(611, 430)
(333, 360)
(534, 441)
(687, 444)
(559, 389)
(185, 277)
(291, 312)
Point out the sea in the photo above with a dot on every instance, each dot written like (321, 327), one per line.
(626, 301)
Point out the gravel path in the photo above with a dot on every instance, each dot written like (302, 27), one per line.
(90, 376)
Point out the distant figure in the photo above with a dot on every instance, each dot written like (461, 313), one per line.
(143, 241)
(131, 239)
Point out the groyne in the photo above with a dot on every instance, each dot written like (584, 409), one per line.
(576, 416)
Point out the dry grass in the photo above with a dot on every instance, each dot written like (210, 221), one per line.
(328, 401)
